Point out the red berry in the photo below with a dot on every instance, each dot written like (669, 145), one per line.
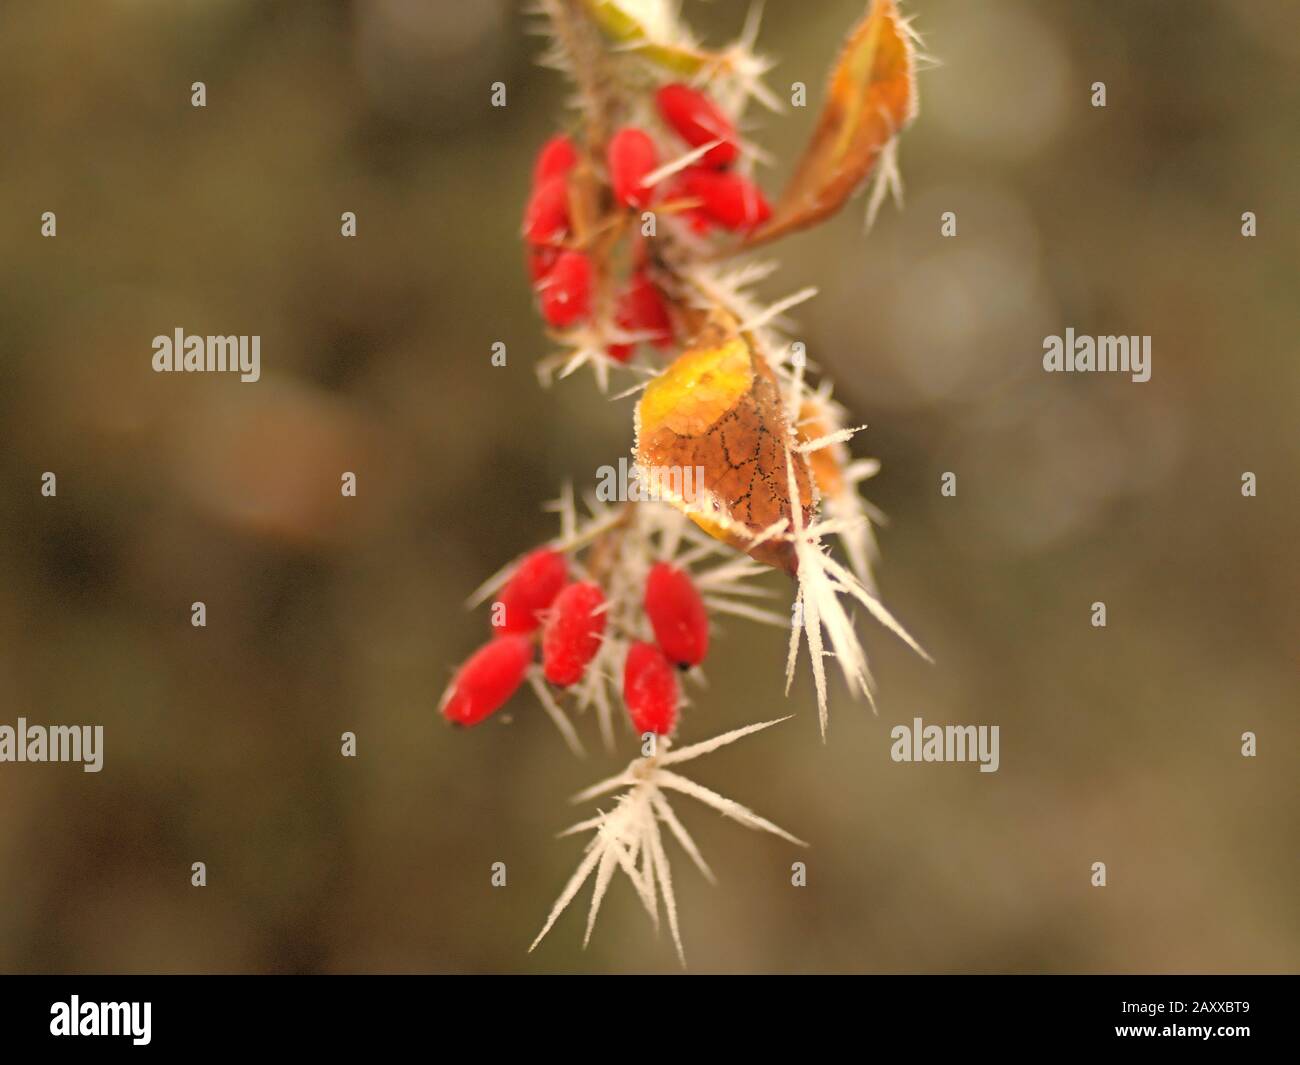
(541, 258)
(650, 689)
(641, 309)
(531, 589)
(631, 156)
(572, 633)
(557, 157)
(698, 120)
(547, 215)
(684, 188)
(729, 199)
(701, 223)
(565, 292)
(486, 681)
(677, 614)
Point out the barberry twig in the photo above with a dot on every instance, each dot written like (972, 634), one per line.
(632, 229)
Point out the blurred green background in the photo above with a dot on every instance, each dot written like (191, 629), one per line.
(325, 614)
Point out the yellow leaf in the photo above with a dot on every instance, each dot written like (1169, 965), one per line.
(717, 409)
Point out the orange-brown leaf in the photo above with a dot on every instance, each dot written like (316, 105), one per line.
(718, 409)
(871, 98)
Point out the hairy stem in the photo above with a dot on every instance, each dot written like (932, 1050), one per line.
(584, 47)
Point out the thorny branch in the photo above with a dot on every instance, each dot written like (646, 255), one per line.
(654, 196)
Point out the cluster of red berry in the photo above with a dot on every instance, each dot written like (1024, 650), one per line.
(539, 601)
(707, 194)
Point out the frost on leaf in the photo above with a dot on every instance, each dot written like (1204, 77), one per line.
(823, 435)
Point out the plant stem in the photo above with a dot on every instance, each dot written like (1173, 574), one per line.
(582, 43)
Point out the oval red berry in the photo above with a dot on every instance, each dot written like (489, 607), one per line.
(541, 258)
(698, 120)
(557, 157)
(641, 309)
(530, 590)
(486, 681)
(729, 199)
(630, 157)
(571, 636)
(650, 689)
(677, 614)
(565, 292)
(546, 218)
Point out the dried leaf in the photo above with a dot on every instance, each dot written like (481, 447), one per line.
(872, 97)
(718, 409)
